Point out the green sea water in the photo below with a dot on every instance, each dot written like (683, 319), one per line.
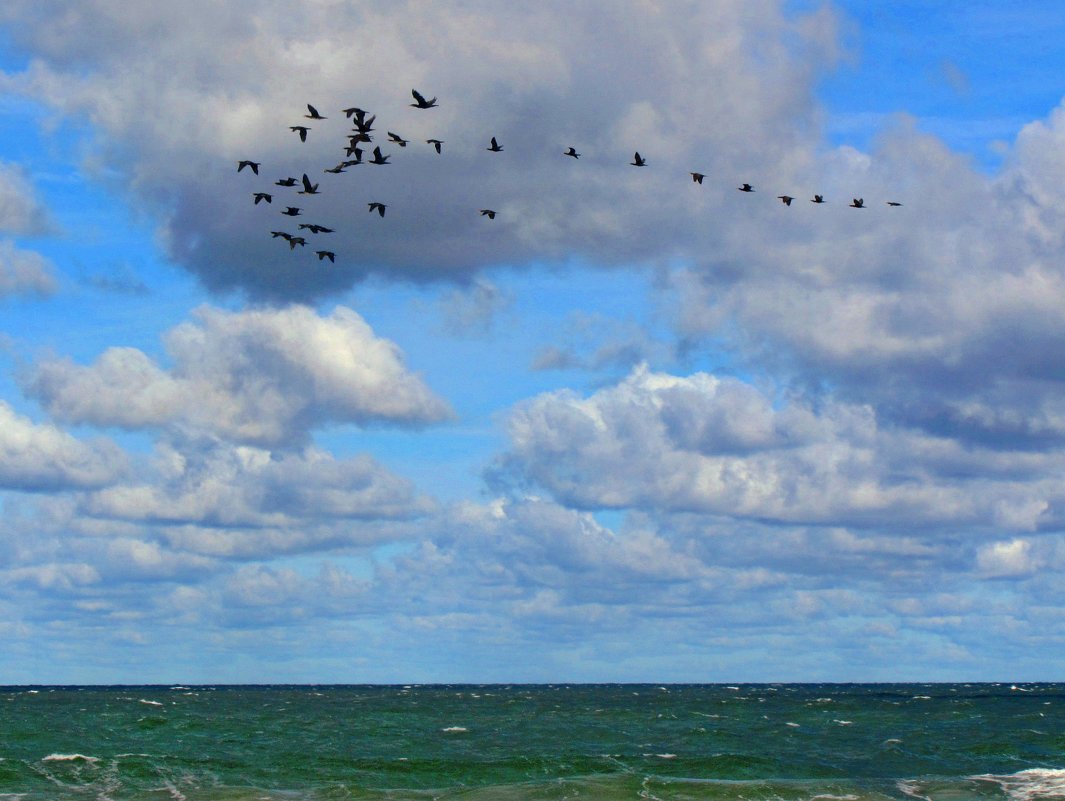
(542, 742)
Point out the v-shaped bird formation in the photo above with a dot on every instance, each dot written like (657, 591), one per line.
(361, 137)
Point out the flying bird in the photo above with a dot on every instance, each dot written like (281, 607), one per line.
(356, 152)
(489, 213)
(358, 113)
(282, 234)
(308, 187)
(378, 157)
(571, 152)
(436, 143)
(301, 130)
(397, 139)
(697, 177)
(421, 102)
(326, 254)
(315, 229)
(893, 203)
(285, 182)
(638, 160)
(296, 240)
(785, 199)
(858, 203)
(378, 207)
(245, 163)
(818, 199)
(364, 124)
(314, 115)
(495, 147)
(341, 167)
(261, 196)
(746, 188)
(292, 211)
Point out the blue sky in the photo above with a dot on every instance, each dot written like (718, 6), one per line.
(633, 429)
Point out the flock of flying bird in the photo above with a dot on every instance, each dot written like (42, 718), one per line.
(362, 135)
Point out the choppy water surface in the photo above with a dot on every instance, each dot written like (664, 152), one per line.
(535, 743)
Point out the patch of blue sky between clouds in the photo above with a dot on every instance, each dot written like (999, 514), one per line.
(971, 72)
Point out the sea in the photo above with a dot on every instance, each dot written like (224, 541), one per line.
(639, 742)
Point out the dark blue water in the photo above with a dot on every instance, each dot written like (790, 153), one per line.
(670, 743)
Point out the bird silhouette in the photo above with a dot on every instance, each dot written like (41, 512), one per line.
(261, 196)
(339, 168)
(489, 213)
(746, 188)
(858, 203)
(326, 254)
(495, 147)
(818, 199)
(378, 157)
(355, 111)
(397, 139)
(697, 177)
(571, 152)
(436, 143)
(292, 211)
(301, 130)
(296, 240)
(314, 115)
(893, 203)
(356, 152)
(364, 124)
(638, 160)
(285, 182)
(421, 102)
(245, 163)
(785, 199)
(378, 207)
(315, 229)
(308, 187)
(282, 234)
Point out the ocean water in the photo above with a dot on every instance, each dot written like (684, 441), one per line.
(534, 742)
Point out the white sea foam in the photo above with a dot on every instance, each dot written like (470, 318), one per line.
(1031, 784)
(69, 758)
(793, 725)
(666, 756)
(150, 703)
(454, 728)
(843, 722)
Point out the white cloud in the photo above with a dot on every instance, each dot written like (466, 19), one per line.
(718, 446)
(21, 213)
(264, 377)
(41, 457)
(724, 87)
(24, 271)
(231, 487)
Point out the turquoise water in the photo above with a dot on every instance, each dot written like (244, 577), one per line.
(549, 743)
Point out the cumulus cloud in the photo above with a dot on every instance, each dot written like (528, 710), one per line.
(719, 446)
(226, 487)
(263, 377)
(722, 87)
(21, 213)
(24, 272)
(42, 457)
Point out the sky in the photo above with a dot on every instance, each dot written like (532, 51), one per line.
(635, 428)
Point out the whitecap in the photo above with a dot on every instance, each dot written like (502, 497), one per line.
(1029, 785)
(150, 703)
(666, 756)
(454, 728)
(793, 725)
(844, 722)
(69, 758)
